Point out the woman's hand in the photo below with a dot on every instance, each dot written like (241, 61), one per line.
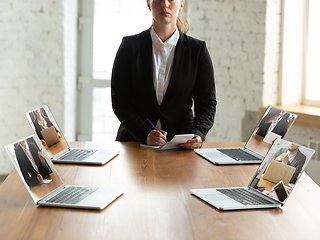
(193, 143)
(156, 138)
(40, 178)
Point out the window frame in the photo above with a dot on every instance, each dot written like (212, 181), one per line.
(307, 101)
(295, 14)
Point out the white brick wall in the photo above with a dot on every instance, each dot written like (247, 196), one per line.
(235, 36)
(245, 52)
(31, 66)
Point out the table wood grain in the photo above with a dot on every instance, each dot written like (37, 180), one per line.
(157, 203)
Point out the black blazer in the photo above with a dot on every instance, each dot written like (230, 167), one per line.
(263, 129)
(27, 170)
(134, 97)
(39, 129)
(282, 126)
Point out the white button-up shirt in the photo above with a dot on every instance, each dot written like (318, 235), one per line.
(163, 55)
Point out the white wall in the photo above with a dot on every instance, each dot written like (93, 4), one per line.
(33, 63)
(235, 36)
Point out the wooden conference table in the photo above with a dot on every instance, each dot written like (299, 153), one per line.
(157, 203)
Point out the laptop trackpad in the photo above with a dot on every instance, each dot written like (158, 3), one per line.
(215, 154)
(210, 195)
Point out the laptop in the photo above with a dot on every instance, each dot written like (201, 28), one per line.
(60, 152)
(261, 193)
(46, 188)
(275, 121)
(50, 136)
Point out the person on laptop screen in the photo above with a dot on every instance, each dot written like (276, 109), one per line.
(276, 121)
(268, 122)
(158, 74)
(41, 121)
(282, 123)
(291, 156)
(32, 163)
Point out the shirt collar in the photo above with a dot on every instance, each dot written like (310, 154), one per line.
(171, 41)
(25, 148)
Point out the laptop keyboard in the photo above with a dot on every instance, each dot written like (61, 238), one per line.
(238, 154)
(77, 154)
(72, 195)
(244, 196)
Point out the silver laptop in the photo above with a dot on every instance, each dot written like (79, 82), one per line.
(33, 164)
(262, 192)
(60, 152)
(275, 123)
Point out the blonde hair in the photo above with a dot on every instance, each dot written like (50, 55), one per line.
(182, 23)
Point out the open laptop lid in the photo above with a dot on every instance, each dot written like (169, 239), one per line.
(42, 118)
(34, 167)
(289, 155)
(274, 124)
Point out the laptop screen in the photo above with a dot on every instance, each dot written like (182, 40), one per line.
(41, 119)
(34, 167)
(274, 124)
(281, 168)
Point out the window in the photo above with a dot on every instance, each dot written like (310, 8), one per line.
(312, 95)
(113, 19)
(300, 81)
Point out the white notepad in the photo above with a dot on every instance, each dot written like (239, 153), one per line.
(173, 144)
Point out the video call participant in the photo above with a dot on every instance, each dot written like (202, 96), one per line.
(282, 123)
(41, 122)
(291, 156)
(268, 122)
(158, 74)
(32, 163)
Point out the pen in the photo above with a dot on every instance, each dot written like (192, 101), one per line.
(154, 127)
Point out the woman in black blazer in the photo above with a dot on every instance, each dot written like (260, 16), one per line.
(163, 53)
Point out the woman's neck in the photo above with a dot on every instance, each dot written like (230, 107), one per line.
(164, 32)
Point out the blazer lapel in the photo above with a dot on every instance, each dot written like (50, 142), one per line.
(177, 62)
(147, 62)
